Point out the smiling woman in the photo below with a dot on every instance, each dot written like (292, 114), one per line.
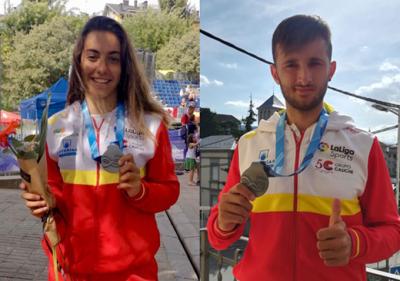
(118, 171)
(101, 69)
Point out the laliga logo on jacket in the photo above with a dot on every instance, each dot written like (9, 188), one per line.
(336, 151)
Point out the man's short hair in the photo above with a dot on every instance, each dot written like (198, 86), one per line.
(296, 31)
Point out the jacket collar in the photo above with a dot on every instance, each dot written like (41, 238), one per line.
(336, 122)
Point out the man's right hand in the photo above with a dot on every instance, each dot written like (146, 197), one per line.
(234, 207)
(34, 202)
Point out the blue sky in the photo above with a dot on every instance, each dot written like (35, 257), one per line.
(366, 46)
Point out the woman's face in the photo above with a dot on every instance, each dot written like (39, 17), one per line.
(101, 64)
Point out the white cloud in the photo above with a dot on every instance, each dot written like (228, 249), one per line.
(204, 82)
(244, 103)
(387, 66)
(270, 9)
(218, 83)
(238, 103)
(385, 83)
(388, 89)
(356, 100)
(229, 65)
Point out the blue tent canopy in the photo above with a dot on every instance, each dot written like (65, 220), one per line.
(33, 108)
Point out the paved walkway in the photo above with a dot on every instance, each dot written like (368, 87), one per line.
(21, 256)
(186, 219)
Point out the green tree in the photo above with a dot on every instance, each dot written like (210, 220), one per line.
(209, 124)
(169, 5)
(249, 120)
(28, 15)
(152, 29)
(179, 6)
(182, 55)
(39, 58)
(232, 128)
(218, 124)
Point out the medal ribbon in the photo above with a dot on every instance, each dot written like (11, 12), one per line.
(119, 130)
(312, 147)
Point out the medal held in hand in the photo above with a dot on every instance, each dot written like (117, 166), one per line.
(256, 177)
(110, 158)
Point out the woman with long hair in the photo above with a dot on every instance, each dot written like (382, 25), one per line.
(109, 164)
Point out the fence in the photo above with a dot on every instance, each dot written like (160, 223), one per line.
(206, 252)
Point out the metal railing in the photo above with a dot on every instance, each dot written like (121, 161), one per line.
(206, 252)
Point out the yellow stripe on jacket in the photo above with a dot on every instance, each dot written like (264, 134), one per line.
(89, 177)
(282, 202)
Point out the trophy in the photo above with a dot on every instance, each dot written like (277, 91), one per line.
(29, 152)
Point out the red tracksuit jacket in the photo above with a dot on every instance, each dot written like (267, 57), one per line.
(348, 165)
(106, 235)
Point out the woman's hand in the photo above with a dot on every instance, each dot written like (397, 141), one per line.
(34, 202)
(129, 175)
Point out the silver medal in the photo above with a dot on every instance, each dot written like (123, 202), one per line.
(110, 158)
(256, 178)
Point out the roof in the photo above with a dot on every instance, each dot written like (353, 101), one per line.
(272, 102)
(223, 118)
(123, 9)
(217, 142)
(32, 108)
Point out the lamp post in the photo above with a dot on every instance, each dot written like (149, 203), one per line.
(395, 111)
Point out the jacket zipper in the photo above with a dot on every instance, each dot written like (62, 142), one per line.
(98, 148)
(96, 225)
(296, 166)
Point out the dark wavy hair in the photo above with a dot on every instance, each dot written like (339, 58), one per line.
(133, 87)
(296, 31)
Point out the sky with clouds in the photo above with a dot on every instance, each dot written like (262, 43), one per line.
(366, 47)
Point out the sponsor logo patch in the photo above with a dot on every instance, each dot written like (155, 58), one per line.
(263, 156)
(68, 147)
(336, 151)
(329, 167)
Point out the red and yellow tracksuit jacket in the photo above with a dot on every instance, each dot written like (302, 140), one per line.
(348, 165)
(106, 235)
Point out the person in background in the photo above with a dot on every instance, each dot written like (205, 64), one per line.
(190, 161)
(185, 122)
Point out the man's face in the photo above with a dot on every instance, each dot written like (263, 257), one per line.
(303, 74)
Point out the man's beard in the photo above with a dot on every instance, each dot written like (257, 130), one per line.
(315, 102)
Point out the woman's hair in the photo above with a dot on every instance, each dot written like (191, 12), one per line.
(191, 138)
(133, 87)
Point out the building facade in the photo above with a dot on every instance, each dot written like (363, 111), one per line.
(271, 105)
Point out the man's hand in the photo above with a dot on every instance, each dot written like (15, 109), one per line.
(34, 202)
(129, 175)
(334, 242)
(234, 207)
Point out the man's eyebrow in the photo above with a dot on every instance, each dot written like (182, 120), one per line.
(316, 59)
(289, 60)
